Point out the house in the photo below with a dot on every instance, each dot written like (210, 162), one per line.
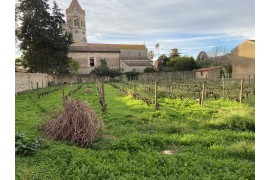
(125, 57)
(208, 73)
(243, 60)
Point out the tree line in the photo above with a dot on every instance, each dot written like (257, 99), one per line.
(218, 56)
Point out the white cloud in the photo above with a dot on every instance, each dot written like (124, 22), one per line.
(168, 22)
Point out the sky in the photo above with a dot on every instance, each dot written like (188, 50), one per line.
(189, 25)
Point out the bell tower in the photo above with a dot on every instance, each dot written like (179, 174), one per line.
(76, 21)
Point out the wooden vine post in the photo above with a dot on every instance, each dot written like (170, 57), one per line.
(249, 80)
(134, 85)
(254, 84)
(37, 91)
(223, 85)
(156, 98)
(241, 91)
(63, 90)
(203, 89)
(103, 98)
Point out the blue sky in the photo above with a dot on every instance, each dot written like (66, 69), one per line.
(189, 25)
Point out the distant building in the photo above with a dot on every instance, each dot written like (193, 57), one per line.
(208, 73)
(125, 57)
(243, 60)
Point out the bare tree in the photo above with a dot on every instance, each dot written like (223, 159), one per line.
(220, 56)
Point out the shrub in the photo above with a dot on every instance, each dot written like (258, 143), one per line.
(27, 146)
(132, 75)
(77, 124)
(149, 70)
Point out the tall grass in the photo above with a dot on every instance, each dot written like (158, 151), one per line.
(211, 142)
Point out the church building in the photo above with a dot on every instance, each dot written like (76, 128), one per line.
(125, 57)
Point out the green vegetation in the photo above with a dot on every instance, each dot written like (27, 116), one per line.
(27, 146)
(176, 62)
(103, 70)
(211, 142)
(149, 70)
(73, 66)
(132, 75)
(44, 45)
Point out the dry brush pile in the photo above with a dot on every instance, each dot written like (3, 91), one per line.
(77, 123)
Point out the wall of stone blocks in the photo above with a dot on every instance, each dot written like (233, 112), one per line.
(29, 81)
(181, 75)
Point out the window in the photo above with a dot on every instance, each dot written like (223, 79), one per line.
(92, 61)
(69, 22)
(82, 23)
(83, 32)
(76, 22)
(139, 53)
(76, 32)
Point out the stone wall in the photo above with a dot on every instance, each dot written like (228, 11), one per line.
(73, 78)
(29, 81)
(181, 75)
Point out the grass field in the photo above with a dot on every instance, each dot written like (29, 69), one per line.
(216, 141)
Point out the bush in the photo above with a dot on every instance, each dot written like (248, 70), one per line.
(27, 146)
(149, 70)
(105, 71)
(77, 124)
(132, 75)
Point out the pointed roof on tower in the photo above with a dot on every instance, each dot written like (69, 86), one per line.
(75, 5)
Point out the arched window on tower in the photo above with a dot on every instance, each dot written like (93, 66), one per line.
(82, 24)
(69, 22)
(76, 22)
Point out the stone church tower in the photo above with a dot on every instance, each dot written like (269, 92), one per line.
(124, 57)
(76, 22)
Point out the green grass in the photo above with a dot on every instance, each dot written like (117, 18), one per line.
(211, 142)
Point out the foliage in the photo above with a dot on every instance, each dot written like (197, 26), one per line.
(19, 62)
(27, 146)
(132, 75)
(43, 44)
(103, 63)
(151, 54)
(104, 70)
(132, 144)
(174, 53)
(162, 62)
(149, 70)
(114, 73)
(228, 68)
(73, 66)
(184, 63)
(204, 63)
(77, 123)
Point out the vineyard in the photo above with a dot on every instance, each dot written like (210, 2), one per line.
(149, 90)
(154, 129)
